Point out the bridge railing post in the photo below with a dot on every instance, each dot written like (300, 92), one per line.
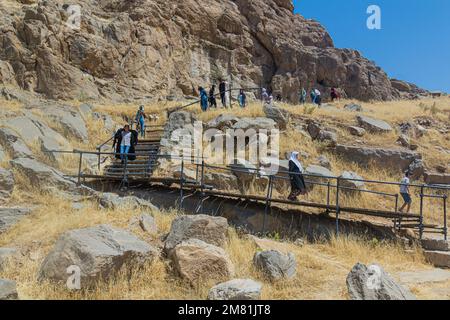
(99, 150)
(397, 222)
(328, 196)
(268, 198)
(337, 206)
(445, 218)
(80, 163)
(421, 212)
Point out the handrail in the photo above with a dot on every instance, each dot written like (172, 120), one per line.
(175, 109)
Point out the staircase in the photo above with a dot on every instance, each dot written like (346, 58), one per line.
(147, 151)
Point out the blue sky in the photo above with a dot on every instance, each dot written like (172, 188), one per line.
(413, 44)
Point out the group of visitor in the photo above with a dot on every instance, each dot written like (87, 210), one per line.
(208, 100)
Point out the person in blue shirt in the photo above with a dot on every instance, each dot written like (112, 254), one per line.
(140, 120)
(203, 98)
(242, 99)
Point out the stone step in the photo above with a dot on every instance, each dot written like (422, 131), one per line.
(440, 259)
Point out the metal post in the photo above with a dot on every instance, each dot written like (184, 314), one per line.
(99, 149)
(202, 186)
(79, 168)
(328, 196)
(445, 217)
(337, 206)
(421, 213)
(268, 198)
(181, 184)
(125, 172)
(396, 211)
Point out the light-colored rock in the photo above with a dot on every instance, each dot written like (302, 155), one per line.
(374, 125)
(440, 259)
(212, 230)
(236, 289)
(41, 175)
(357, 131)
(8, 290)
(280, 116)
(100, 252)
(197, 261)
(14, 144)
(148, 224)
(347, 182)
(424, 276)
(324, 162)
(275, 265)
(188, 174)
(115, 202)
(373, 283)
(70, 120)
(318, 172)
(255, 123)
(221, 181)
(223, 122)
(10, 216)
(6, 184)
(327, 137)
(395, 159)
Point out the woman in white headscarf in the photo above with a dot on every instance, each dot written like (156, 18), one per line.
(298, 185)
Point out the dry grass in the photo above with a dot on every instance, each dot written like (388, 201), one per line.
(322, 268)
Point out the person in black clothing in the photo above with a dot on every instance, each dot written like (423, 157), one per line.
(298, 185)
(212, 97)
(118, 141)
(222, 90)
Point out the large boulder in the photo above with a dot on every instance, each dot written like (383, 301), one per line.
(353, 107)
(13, 143)
(70, 120)
(395, 159)
(276, 265)
(8, 290)
(99, 252)
(280, 116)
(6, 184)
(221, 181)
(178, 120)
(197, 261)
(10, 216)
(373, 283)
(146, 223)
(212, 230)
(255, 123)
(374, 125)
(437, 178)
(236, 289)
(41, 175)
(357, 131)
(113, 201)
(347, 180)
(223, 122)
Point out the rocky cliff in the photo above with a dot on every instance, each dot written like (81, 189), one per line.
(157, 49)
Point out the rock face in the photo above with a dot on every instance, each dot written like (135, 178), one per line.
(99, 252)
(10, 216)
(113, 201)
(437, 178)
(212, 230)
(275, 265)
(133, 48)
(390, 158)
(347, 180)
(14, 144)
(237, 289)
(196, 261)
(374, 125)
(6, 184)
(373, 283)
(8, 290)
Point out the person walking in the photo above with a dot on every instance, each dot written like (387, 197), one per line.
(404, 192)
(222, 91)
(242, 98)
(125, 143)
(140, 120)
(264, 95)
(298, 185)
(334, 94)
(203, 98)
(303, 96)
(313, 96)
(318, 97)
(212, 97)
